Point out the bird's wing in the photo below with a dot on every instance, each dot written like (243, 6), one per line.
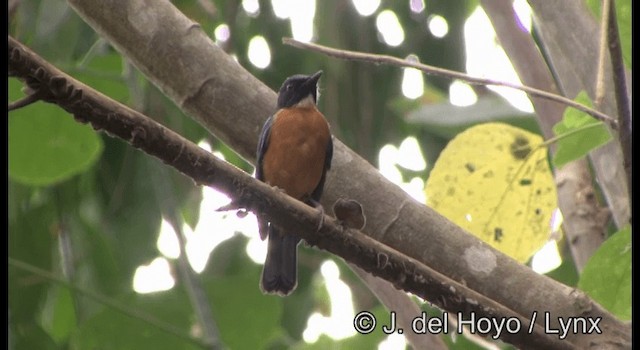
(263, 143)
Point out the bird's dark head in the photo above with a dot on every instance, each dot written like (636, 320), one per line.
(299, 90)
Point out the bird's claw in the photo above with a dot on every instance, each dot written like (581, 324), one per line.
(318, 206)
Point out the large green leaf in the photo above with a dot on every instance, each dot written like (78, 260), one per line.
(607, 275)
(58, 316)
(46, 145)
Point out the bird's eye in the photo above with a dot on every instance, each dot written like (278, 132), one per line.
(289, 86)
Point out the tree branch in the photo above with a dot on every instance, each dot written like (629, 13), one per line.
(23, 102)
(191, 281)
(399, 62)
(602, 50)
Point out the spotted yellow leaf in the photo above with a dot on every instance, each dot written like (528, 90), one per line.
(495, 182)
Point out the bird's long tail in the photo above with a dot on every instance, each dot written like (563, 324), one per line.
(279, 274)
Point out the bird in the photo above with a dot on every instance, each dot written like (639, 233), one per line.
(294, 153)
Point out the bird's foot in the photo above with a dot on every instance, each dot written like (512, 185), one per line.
(318, 206)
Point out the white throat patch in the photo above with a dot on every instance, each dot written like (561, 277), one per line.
(306, 102)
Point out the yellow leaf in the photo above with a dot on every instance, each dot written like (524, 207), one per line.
(495, 182)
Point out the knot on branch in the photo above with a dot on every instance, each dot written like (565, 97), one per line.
(138, 136)
(63, 91)
(350, 213)
(15, 57)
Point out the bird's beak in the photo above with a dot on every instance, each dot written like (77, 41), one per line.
(313, 80)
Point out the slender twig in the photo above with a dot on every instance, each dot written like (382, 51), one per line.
(550, 141)
(196, 292)
(124, 309)
(600, 83)
(395, 61)
(25, 101)
(93, 51)
(622, 98)
(66, 251)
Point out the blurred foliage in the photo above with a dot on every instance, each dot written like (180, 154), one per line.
(102, 202)
(47, 146)
(607, 276)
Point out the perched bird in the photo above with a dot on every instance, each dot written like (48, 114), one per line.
(294, 153)
(350, 214)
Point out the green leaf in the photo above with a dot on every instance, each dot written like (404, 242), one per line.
(47, 146)
(30, 335)
(607, 275)
(110, 329)
(58, 316)
(246, 318)
(578, 133)
(131, 216)
(30, 240)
